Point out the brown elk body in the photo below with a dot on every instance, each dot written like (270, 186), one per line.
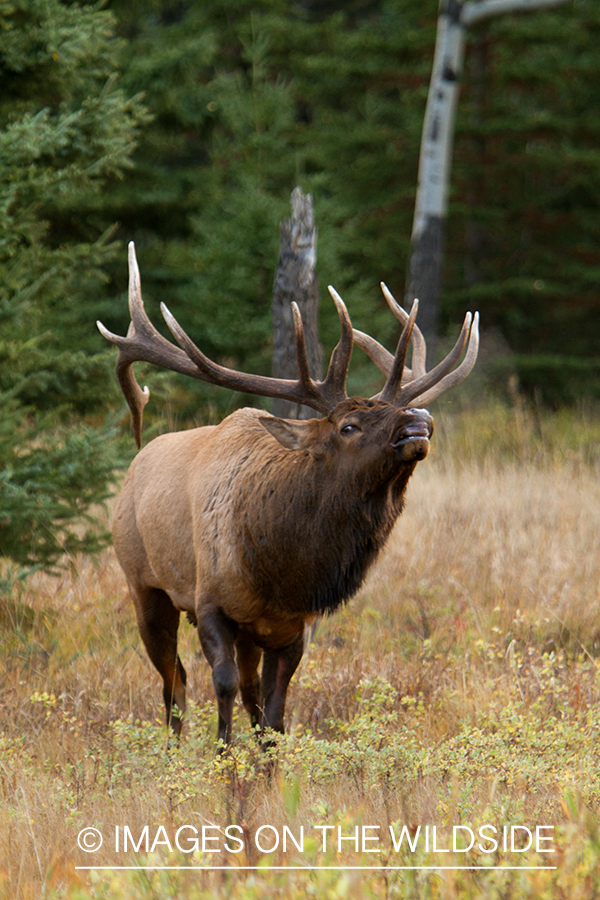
(255, 526)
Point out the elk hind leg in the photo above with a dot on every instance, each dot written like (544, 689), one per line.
(158, 621)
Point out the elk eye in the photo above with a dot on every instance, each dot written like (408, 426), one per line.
(349, 429)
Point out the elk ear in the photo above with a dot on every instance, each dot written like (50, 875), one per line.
(291, 435)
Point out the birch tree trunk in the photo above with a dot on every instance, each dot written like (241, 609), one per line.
(437, 139)
(431, 203)
(295, 279)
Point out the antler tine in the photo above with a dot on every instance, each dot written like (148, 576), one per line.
(382, 358)
(419, 353)
(453, 378)
(337, 372)
(430, 384)
(301, 356)
(392, 385)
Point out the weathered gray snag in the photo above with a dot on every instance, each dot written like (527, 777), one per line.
(296, 281)
(435, 161)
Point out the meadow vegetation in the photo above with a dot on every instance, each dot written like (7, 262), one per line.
(459, 688)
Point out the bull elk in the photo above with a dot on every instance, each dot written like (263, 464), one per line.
(255, 526)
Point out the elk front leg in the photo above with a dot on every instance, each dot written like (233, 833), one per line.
(217, 636)
(248, 659)
(277, 671)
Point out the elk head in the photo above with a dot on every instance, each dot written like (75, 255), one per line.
(254, 526)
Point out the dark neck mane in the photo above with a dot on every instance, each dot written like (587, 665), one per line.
(329, 543)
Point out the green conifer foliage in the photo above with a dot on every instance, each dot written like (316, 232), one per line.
(523, 238)
(65, 130)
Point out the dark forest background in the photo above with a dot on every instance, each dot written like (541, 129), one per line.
(184, 126)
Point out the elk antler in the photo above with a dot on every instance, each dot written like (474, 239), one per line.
(144, 343)
(419, 387)
(403, 387)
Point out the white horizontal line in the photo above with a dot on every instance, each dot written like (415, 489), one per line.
(319, 868)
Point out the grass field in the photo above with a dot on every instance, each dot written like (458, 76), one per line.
(460, 689)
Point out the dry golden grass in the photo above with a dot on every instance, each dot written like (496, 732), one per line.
(478, 629)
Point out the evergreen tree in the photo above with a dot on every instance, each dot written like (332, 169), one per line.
(65, 129)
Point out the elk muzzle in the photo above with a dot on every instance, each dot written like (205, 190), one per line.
(410, 437)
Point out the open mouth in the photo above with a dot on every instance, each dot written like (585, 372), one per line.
(413, 431)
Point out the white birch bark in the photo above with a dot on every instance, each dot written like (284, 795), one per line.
(435, 160)
(440, 111)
